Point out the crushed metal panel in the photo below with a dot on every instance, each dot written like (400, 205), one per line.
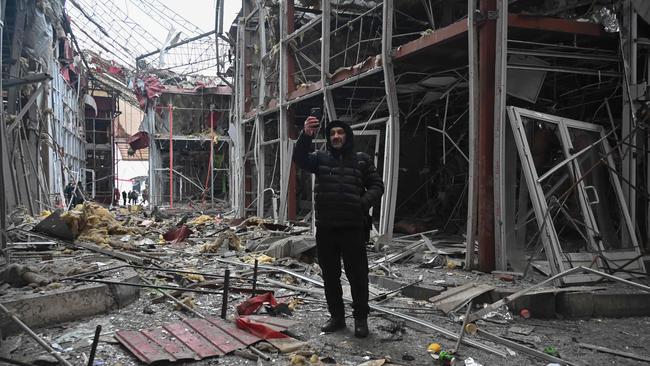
(194, 340)
(242, 336)
(191, 339)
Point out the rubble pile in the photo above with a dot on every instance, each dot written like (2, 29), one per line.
(94, 223)
(420, 295)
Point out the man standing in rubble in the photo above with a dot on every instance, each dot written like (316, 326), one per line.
(347, 185)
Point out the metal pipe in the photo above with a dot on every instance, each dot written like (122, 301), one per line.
(148, 286)
(579, 56)
(260, 353)
(487, 58)
(35, 336)
(254, 278)
(462, 328)
(519, 347)
(175, 300)
(269, 142)
(171, 156)
(176, 45)
(368, 123)
(224, 300)
(93, 347)
(566, 70)
(153, 269)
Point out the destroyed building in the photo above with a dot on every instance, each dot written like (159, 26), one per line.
(529, 114)
(511, 136)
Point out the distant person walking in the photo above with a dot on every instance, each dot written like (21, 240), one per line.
(67, 191)
(78, 198)
(124, 197)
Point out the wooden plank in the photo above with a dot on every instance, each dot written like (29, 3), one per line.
(281, 323)
(286, 345)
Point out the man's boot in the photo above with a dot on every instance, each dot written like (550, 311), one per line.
(333, 324)
(361, 328)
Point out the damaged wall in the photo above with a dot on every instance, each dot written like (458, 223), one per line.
(44, 134)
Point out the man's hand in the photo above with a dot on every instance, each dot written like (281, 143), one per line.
(311, 126)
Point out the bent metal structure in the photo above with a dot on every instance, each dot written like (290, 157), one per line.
(519, 127)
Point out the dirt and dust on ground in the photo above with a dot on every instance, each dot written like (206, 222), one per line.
(419, 293)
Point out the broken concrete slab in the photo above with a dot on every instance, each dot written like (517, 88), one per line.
(59, 306)
(587, 305)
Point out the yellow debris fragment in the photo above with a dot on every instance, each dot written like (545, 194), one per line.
(227, 237)
(261, 259)
(298, 360)
(135, 208)
(54, 286)
(434, 348)
(211, 247)
(45, 213)
(288, 279)
(194, 277)
(188, 301)
(314, 358)
(201, 220)
(293, 303)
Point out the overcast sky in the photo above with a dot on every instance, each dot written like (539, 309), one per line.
(196, 11)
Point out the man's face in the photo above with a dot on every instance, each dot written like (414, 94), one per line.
(337, 137)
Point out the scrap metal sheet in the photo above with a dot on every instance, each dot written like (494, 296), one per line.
(191, 339)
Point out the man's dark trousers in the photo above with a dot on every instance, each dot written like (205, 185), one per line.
(347, 243)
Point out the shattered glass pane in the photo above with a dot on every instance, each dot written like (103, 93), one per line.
(562, 197)
(600, 194)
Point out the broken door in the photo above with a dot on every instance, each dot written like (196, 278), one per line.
(575, 194)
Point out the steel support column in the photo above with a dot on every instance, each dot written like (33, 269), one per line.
(630, 91)
(291, 130)
(286, 85)
(3, 148)
(391, 152)
(472, 181)
(503, 221)
(487, 40)
(240, 145)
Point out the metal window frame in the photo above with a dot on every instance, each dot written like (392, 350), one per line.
(549, 235)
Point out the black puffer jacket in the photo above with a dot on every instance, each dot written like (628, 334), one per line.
(347, 183)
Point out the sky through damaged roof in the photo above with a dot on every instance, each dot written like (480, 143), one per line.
(121, 30)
